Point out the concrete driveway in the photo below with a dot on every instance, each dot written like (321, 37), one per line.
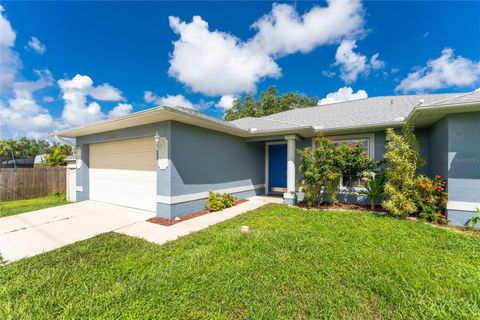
(31, 233)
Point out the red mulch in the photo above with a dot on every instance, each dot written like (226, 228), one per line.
(343, 206)
(170, 222)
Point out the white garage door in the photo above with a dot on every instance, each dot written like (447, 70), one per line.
(124, 173)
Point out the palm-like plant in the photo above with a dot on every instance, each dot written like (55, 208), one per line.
(475, 219)
(374, 188)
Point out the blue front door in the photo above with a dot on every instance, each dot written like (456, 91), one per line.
(277, 168)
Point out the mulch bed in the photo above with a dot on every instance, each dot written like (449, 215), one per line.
(170, 222)
(342, 206)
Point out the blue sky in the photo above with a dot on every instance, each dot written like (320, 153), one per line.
(65, 64)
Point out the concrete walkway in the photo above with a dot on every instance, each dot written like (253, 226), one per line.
(161, 234)
(28, 234)
(31, 233)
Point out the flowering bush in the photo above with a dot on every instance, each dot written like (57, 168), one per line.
(432, 199)
(321, 167)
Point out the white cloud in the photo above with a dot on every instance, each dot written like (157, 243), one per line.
(48, 99)
(375, 63)
(174, 101)
(36, 45)
(226, 101)
(353, 64)
(122, 109)
(106, 92)
(75, 92)
(283, 31)
(446, 71)
(9, 61)
(343, 94)
(149, 96)
(21, 115)
(217, 63)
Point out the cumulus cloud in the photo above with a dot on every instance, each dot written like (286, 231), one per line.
(121, 109)
(36, 45)
(217, 63)
(9, 61)
(444, 72)
(21, 115)
(106, 92)
(226, 101)
(352, 64)
(343, 94)
(75, 91)
(214, 62)
(283, 31)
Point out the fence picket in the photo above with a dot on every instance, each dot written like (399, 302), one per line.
(28, 183)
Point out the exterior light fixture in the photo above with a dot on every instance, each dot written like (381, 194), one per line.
(157, 139)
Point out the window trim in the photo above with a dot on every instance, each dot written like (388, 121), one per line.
(370, 136)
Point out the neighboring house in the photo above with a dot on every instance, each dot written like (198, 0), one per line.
(166, 159)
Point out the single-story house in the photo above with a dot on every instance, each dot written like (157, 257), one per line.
(165, 159)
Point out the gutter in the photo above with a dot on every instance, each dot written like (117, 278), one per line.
(56, 136)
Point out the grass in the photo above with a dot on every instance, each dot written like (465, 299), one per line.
(292, 264)
(11, 208)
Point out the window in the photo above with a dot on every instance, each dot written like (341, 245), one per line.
(364, 142)
(367, 141)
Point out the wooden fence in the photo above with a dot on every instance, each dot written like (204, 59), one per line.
(28, 183)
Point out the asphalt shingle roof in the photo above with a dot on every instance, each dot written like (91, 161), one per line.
(362, 112)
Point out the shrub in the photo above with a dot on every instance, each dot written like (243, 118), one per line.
(374, 188)
(475, 219)
(55, 158)
(432, 199)
(321, 168)
(402, 158)
(217, 201)
(355, 163)
(228, 200)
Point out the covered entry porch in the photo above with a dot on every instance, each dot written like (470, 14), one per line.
(281, 166)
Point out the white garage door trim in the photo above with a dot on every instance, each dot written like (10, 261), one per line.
(124, 173)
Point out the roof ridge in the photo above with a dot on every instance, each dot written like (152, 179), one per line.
(456, 96)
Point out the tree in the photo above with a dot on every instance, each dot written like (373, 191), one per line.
(269, 102)
(23, 147)
(55, 158)
(403, 159)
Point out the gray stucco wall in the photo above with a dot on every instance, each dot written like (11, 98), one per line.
(203, 159)
(438, 147)
(455, 155)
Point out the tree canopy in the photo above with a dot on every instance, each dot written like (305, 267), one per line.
(25, 147)
(269, 102)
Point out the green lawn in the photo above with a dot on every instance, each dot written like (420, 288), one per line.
(293, 264)
(11, 208)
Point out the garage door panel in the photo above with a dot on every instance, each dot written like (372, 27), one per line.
(124, 173)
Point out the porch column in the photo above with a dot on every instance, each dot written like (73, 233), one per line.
(290, 196)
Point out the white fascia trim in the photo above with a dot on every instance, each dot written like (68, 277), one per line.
(204, 195)
(463, 206)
